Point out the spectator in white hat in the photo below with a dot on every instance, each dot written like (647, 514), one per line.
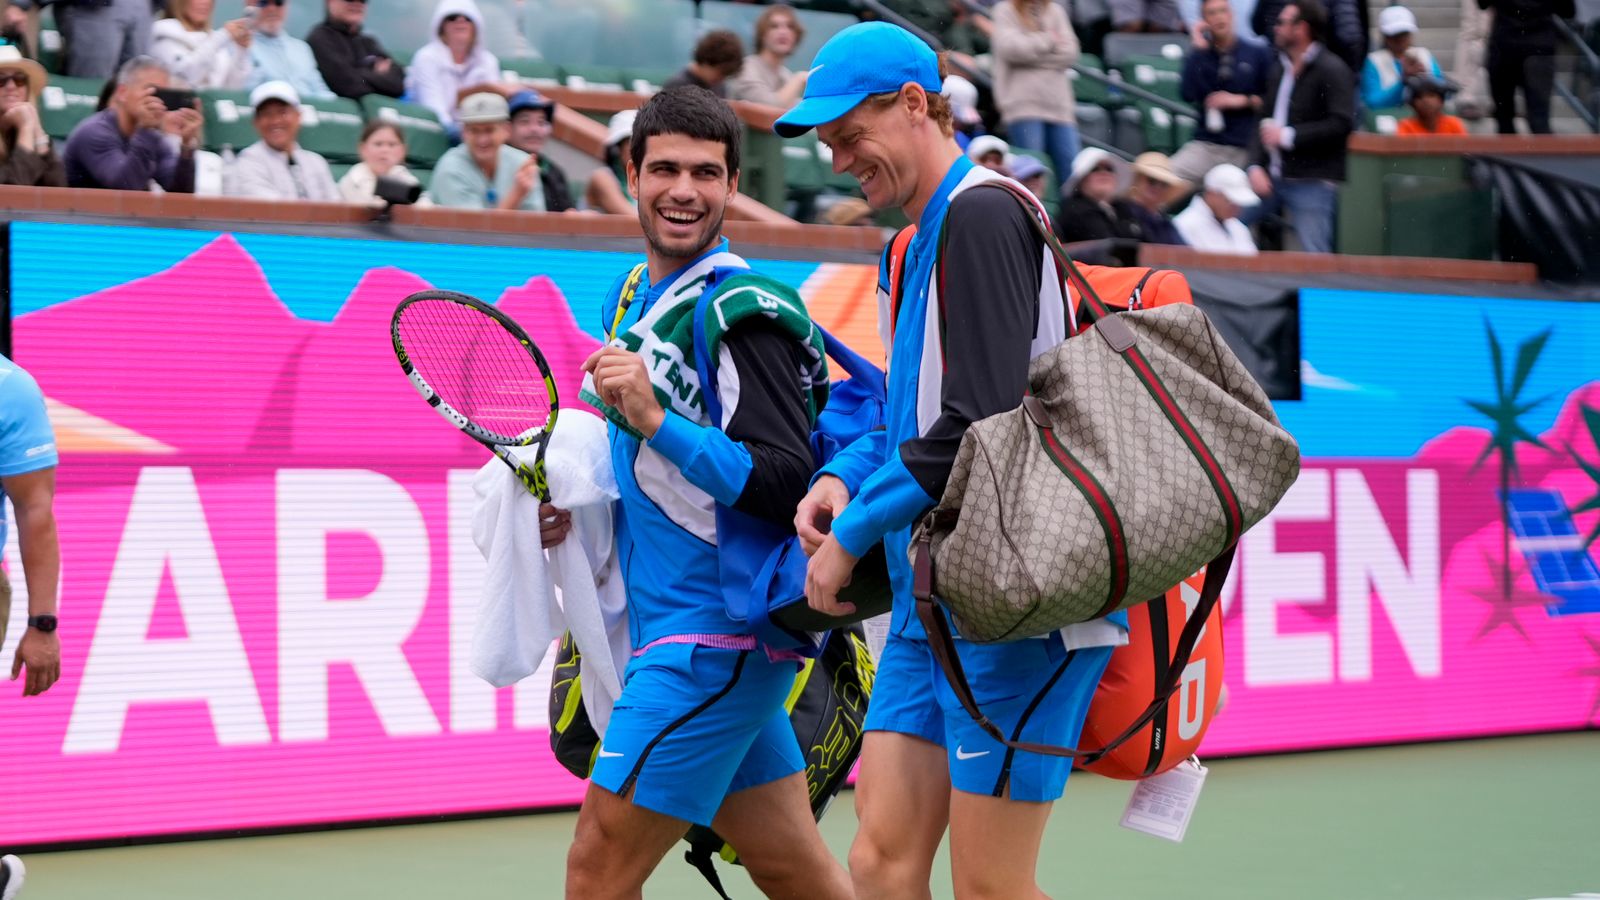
(1092, 206)
(1383, 78)
(1211, 223)
(277, 167)
(963, 97)
(608, 186)
(483, 171)
(990, 152)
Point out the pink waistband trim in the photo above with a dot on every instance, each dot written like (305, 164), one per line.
(724, 642)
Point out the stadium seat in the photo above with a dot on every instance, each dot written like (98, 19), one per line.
(331, 128)
(426, 139)
(1385, 120)
(647, 81)
(1094, 122)
(1156, 74)
(537, 72)
(595, 78)
(1127, 129)
(48, 52)
(1090, 90)
(1119, 48)
(65, 102)
(1164, 131)
(804, 173)
(229, 123)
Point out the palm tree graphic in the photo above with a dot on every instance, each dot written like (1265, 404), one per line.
(1506, 412)
(1591, 420)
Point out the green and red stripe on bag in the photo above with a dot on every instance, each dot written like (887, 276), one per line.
(1142, 452)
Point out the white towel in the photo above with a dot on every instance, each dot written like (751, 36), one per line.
(519, 616)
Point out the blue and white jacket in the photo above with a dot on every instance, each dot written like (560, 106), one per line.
(958, 353)
(758, 462)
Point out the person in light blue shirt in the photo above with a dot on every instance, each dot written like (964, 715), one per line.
(483, 171)
(1383, 77)
(27, 475)
(277, 56)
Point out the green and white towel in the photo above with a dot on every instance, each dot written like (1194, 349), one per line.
(665, 337)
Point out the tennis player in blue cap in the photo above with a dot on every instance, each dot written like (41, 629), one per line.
(975, 308)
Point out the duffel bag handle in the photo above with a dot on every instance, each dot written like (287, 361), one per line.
(942, 642)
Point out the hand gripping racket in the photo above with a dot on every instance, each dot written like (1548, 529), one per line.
(482, 372)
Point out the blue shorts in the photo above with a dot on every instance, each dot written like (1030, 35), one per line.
(695, 724)
(1035, 690)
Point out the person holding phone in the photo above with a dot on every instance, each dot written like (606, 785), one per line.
(197, 53)
(137, 142)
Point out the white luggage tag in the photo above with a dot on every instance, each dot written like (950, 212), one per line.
(1161, 805)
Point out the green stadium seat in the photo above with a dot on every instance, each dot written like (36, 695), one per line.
(229, 122)
(65, 102)
(537, 72)
(426, 139)
(805, 175)
(1155, 74)
(332, 128)
(647, 81)
(1094, 122)
(1385, 119)
(48, 52)
(339, 169)
(596, 78)
(1090, 90)
(1163, 131)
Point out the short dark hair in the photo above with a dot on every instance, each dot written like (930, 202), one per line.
(691, 111)
(721, 50)
(1314, 14)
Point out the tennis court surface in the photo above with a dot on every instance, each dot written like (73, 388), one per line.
(1502, 819)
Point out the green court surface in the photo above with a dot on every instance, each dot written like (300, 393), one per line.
(1504, 819)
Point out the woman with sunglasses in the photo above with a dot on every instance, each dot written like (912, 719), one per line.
(26, 157)
(454, 63)
(193, 51)
(1092, 206)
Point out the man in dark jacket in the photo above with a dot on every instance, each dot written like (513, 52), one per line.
(1093, 208)
(1224, 74)
(1522, 53)
(352, 62)
(1299, 151)
(532, 118)
(1345, 33)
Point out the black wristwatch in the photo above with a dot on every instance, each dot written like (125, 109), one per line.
(43, 624)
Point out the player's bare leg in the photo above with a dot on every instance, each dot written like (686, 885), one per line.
(772, 828)
(903, 802)
(616, 847)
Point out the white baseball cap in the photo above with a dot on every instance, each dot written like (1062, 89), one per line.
(1396, 20)
(620, 128)
(1231, 182)
(985, 144)
(282, 91)
(484, 106)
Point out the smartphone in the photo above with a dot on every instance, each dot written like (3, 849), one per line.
(176, 98)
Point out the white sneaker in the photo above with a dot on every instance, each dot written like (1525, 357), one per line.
(12, 874)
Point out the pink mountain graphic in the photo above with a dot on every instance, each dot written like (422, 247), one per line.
(261, 379)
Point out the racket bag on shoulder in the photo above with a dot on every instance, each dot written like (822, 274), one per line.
(827, 707)
(763, 571)
(1141, 453)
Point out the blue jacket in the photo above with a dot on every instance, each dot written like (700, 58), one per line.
(889, 473)
(758, 461)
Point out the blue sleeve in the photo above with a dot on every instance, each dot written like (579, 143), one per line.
(890, 498)
(854, 463)
(1373, 94)
(711, 460)
(27, 443)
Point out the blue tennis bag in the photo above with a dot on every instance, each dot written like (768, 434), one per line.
(764, 580)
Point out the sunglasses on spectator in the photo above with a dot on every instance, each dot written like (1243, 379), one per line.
(1109, 170)
(271, 2)
(1285, 23)
(457, 17)
(19, 79)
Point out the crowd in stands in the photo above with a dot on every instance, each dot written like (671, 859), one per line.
(1277, 87)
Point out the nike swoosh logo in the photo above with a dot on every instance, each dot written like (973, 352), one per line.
(814, 70)
(962, 754)
(606, 754)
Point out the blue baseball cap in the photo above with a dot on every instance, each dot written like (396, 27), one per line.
(531, 99)
(862, 60)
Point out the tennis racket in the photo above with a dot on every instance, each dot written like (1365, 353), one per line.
(482, 372)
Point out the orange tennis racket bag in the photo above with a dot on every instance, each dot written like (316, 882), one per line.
(1134, 676)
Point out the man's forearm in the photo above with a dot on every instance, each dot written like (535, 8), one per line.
(41, 559)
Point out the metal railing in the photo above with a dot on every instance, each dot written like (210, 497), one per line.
(1588, 109)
